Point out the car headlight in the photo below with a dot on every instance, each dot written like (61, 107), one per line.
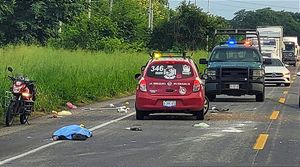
(258, 73)
(211, 72)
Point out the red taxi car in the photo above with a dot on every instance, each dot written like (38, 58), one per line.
(170, 84)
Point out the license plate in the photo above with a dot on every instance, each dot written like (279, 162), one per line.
(234, 86)
(169, 103)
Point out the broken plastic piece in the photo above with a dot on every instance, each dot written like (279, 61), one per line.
(71, 106)
(134, 129)
(64, 113)
(202, 125)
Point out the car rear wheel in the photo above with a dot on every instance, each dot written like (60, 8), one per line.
(206, 105)
(139, 115)
(199, 115)
(299, 101)
(211, 97)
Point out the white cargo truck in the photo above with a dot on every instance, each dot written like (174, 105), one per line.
(291, 44)
(291, 50)
(271, 40)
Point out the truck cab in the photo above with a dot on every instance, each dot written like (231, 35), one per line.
(235, 68)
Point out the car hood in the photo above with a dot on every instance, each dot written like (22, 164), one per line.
(252, 65)
(276, 69)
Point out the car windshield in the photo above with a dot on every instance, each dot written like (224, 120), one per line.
(162, 70)
(235, 55)
(275, 62)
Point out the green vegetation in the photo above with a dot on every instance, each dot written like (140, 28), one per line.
(76, 76)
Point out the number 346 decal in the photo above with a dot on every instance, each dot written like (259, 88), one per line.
(157, 68)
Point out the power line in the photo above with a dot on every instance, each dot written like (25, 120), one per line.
(260, 4)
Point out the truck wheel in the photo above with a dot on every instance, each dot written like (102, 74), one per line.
(287, 84)
(294, 65)
(211, 97)
(199, 115)
(260, 97)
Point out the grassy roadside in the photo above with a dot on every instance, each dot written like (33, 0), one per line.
(76, 76)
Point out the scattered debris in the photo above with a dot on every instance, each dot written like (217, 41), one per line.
(215, 109)
(134, 128)
(71, 106)
(201, 125)
(127, 103)
(72, 132)
(29, 137)
(62, 113)
(111, 105)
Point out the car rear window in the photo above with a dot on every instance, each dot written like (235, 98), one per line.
(170, 71)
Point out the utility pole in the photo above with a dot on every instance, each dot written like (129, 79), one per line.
(208, 6)
(110, 5)
(150, 15)
(89, 9)
(168, 6)
(208, 11)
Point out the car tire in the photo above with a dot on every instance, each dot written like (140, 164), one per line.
(299, 101)
(199, 115)
(294, 65)
(206, 105)
(211, 97)
(279, 84)
(260, 97)
(139, 115)
(287, 84)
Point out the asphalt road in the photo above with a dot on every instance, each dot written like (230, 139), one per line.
(242, 136)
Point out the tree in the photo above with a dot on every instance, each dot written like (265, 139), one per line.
(34, 21)
(187, 29)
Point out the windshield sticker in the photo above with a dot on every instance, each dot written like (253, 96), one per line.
(186, 70)
(170, 72)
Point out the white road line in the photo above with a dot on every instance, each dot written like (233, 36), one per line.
(57, 142)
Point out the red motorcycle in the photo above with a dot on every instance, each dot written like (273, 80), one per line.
(22, 99)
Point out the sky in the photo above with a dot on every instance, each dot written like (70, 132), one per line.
(227, 8)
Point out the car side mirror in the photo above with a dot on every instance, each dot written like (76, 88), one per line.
(267, 61)
(137, 76)
(203, 61)
(298, 74)
(10, 69)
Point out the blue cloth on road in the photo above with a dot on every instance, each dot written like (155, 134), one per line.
(68, 132)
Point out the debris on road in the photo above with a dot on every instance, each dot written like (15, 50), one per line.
(134, 128)
(70, 105)
(215, 109)
(111, 105)
(201, 125)
(72, 132)
(61, 113)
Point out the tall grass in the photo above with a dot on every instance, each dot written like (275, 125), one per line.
(76, 76)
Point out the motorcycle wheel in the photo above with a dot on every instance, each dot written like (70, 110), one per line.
(9, 117)
(23, 118)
